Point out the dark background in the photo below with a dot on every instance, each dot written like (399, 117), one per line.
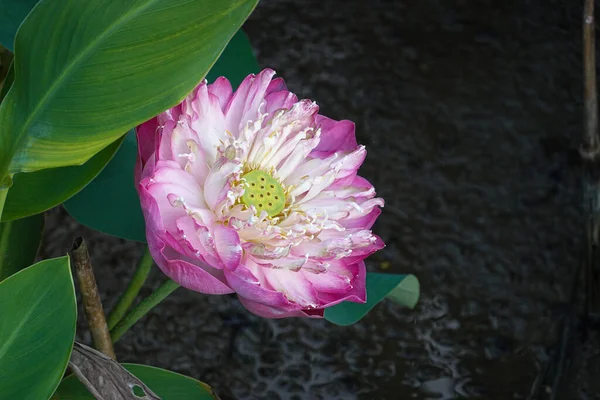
(472, 115)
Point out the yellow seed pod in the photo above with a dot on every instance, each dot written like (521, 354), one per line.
(263, 192)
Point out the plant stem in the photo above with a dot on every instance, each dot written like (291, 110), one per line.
(591, 140)
(591, 156)
(551, 376)
(128, 297)
(142, 309)
(91, 298)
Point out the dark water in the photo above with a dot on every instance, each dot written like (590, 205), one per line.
(472, 114)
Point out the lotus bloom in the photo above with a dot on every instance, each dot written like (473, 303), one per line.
(253, 192)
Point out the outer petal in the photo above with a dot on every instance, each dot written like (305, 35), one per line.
(200, 243)
(192, 276)
(335, 136)
(247, 284)
(365, 221)
(170, 174)
(221, 88)
(146, 137)
(276, 85)
(337, 279)
(357, 294)
(265, 311)
(294, 285)
(280, 100)
(195, 276)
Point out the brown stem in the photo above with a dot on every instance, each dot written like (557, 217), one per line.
(552, 373)
(590, 140)
(591, 155)
(91, 299)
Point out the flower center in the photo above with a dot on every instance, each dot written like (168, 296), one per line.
(263, 192)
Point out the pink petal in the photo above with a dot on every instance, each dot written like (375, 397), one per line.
(265, 311)
(146, 171)
(357, 183)
(335, 136)
(365, 221)
(351, 162)
(248, 285)
(363, 207)
(278, 97)
(146, 137)
(280, 100)
(357, 294)
(228, 245)
(221, 88)
(199, 241)
(207, 120)
(337, 279)
(245, 103)
(366, 250)
(168, 183)
(198, 277)
(164, 211)
(163, 140)
(194, 276)
(216, 185)
(276, 85)
(179, 137)
(294, 285)
(172, 114)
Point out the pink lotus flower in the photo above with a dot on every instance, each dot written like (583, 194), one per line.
(254, 192)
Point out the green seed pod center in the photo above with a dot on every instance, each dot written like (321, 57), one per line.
(263, 192)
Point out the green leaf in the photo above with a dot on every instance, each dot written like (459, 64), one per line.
(35, 192)
(19, 243)
(403, 289)
(87, 71)
(110, 203)
(166, 384)
(13, 13)
(37, 329)
(407, 292)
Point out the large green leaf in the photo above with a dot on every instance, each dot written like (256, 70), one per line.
(37, 329)
(19, 243)
(87, 71)
(403, 289)
(38, 191)
(166, 384)
(110, 202)
(35, 192)
(13, 13)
